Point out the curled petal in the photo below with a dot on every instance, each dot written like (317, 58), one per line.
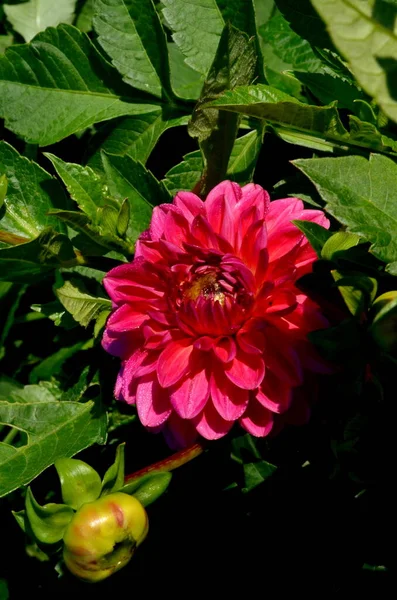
(257, 419)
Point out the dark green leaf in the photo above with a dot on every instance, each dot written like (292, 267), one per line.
(305, 21)
(131, 34)
(197, 26)
(29, 262)
(244, 155)
(31, 193)
(63, 80)
(54, 428)
(186, 175)
(256, 473)
(48, 522)
(84, 18)
(359, 193)
(186, 82)
(358, 291)
(52, 365)
(80, 304)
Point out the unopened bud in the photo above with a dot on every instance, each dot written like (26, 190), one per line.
(102, 536)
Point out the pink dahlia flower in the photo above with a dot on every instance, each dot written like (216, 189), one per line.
(207, 319)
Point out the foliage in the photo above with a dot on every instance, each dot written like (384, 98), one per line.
(111, 107)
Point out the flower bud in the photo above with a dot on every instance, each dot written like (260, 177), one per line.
(102, 536)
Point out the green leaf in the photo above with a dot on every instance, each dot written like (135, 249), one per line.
(65, 83)
(234, 65)
(83, 307)
(80, 483)
(48, 522)
(185, 81)
(338, 243)
(52, 365)
(357, 290)
(197, 26)
(149, 487)
(366, 33)
(305, 21)
(316, 234)
(131, 34)
(13, 295)
(366, 134)
(29, 18)
(5, 42)
(127, 178)
(84, 18)
(244, 155)
(29, 262)
(133, 136)
(240, 13)
(31, 192)
(123, 218)
(186, 175)
(54, 428)
(256, 473)
(384, 324)
(113, 480)
(358, 193)
(3, 188)
(83, 184)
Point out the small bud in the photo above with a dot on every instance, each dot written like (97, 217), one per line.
(102, 536)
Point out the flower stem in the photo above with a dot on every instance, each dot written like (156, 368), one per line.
(169, 464)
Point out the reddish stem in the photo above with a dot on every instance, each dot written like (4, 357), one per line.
(169, 464)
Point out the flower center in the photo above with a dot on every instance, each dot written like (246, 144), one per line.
(205, 285)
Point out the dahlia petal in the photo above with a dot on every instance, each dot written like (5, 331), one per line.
(229, 400)
(253, 195)
(203, 233)
(274, 394)
(250, 338)
(281, 358)
(189, 396)
(257, 419)
(174, 362)
(152, 402)
(124, 319)
(190, 205)
(210, 424)
(246, 370)
(254, 246)
(219, 207)
(176, 227)
(157, 223)
(225, 349)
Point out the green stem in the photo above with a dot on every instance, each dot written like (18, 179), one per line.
(169, 464)
(9, 438)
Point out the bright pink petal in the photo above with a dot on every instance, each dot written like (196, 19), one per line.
(152, 402)
(246, 370)
(225, 349)
(229, 400)
(189, 396)
(257, 419)
(190, 205)
(174, 362)
(210, 424)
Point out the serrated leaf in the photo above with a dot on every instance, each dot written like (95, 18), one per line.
(30, 261)
(54, 428)
(83, 307)
(305, 21)
(127, 178)
(65, 83)
(83, 185)
(316, 234)
(133, 136)
(131, 34)
(80, 483)
(186, 175)
(48, 522)
(319, 127)
(113, 479)
(185, 81)
(359, 193)
(197, 26)
(368, 39)
(29, 18)
(30, 193)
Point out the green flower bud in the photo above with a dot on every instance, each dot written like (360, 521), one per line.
(102, 536)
